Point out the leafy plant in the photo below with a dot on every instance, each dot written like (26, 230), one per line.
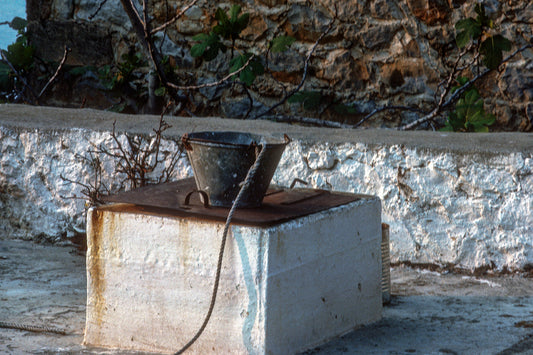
(126, 80)
(116, 77)
(281, 44)
(478, 30)
(229, 27)
(18, 54)
(469, 114)
(208, 47)
(248, 74)
(310, 100)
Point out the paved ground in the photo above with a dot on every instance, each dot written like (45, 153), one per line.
(430, 313)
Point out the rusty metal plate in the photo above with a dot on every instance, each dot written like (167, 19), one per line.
(279, 205)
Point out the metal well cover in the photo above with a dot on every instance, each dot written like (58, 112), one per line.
(279, 204)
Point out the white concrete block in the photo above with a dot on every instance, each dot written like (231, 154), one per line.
(283, 289)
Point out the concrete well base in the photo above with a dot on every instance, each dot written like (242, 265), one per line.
(283, 289)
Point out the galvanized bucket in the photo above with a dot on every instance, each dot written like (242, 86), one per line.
(221, 160)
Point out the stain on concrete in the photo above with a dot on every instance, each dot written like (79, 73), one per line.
(95, 260)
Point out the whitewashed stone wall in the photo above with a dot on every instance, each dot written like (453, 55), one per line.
(471, 210)
(36, 200)
(467, 208)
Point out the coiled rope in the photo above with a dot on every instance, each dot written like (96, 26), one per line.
(244, 187)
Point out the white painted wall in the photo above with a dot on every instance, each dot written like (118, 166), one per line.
(469, 209)
(463, 206)
(35, 201)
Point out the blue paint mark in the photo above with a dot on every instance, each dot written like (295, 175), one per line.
(251, 289)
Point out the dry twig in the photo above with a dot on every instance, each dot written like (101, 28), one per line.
(174, 19)
(216, 83)
(457, 94)
(304, 76)
(54, 77)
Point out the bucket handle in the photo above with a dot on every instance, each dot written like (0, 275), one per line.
(202, 193)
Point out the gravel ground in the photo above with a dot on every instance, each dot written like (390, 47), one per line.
(430, 312)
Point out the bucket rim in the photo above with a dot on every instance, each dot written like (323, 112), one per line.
(255, 139)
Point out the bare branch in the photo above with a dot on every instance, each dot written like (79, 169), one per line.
(92, 191)
(447, 84)
(24, 82)
(216, 83)
(102, 3)
(387, 108)
(53, 78)
(174, 19)
(304, 76)
(457, 94)
(316, 122)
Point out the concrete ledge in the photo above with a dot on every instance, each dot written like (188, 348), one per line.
(23, 117)
(460, 199)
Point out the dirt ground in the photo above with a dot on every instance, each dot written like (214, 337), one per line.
(430, 312)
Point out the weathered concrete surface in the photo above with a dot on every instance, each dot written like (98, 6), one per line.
(283, 289)
(431, 313)
(449, 198)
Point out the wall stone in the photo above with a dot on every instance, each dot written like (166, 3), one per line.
(355, 61)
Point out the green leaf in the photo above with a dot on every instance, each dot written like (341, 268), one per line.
(221, 30)
(20, 55)
(221, 16)
(201, 37)
(467, 107)
(79, 71)
(248, 74)
(469, 114)
(160, 91)
(281, 44)
(5, 77)
(467, 29)
(491, 49)
(198, 50)
(247, 77)
(118, 108)
(208, 47)
(481, 118)
(344, 109)
(18, 23)
(241, 23)
(482, 18)
(234, 11)
(309, 99)
(213, 49)
(230, 25)
(461, 80)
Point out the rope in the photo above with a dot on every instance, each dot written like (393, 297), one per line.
(244, 187)
(32, 328)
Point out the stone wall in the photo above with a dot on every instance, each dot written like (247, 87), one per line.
(450, 198)
(378, 52)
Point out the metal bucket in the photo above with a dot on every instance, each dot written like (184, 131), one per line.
(221, 160)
